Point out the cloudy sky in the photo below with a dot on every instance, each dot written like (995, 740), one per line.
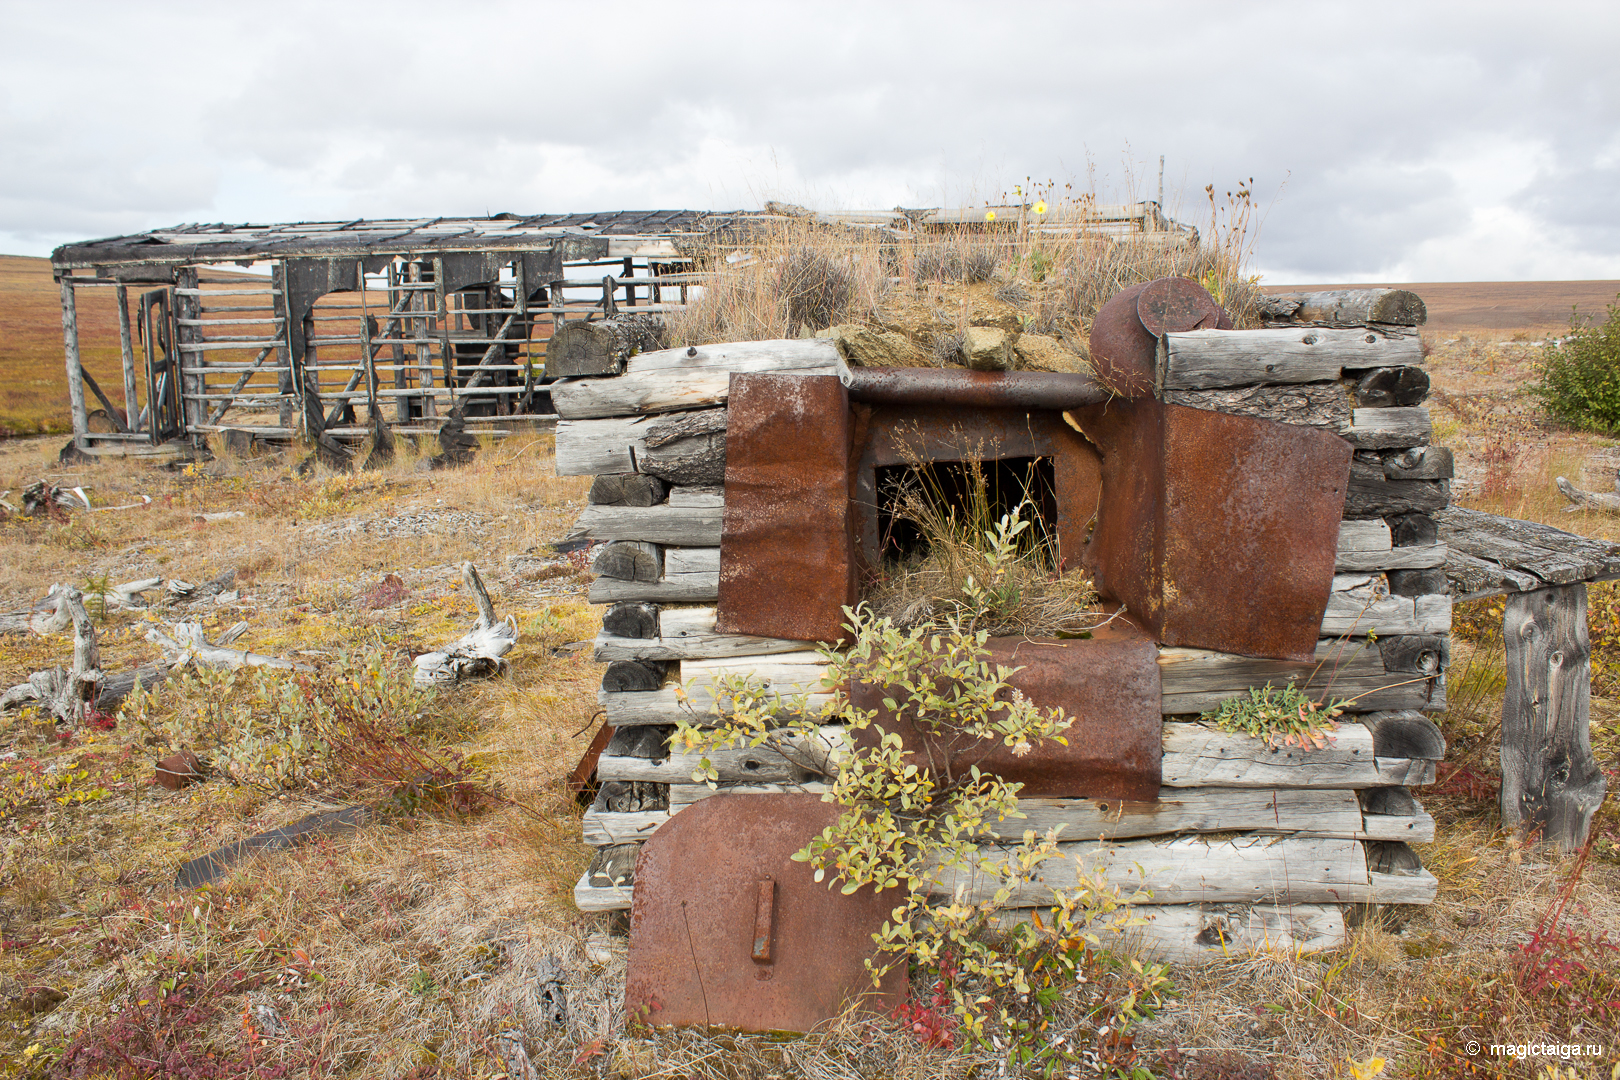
(1415, 141)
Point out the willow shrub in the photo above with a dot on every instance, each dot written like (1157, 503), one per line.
(1580, 376)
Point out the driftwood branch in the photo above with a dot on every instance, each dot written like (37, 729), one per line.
(1598, 499)
(187, 645)
(66, 694)
(478, 653)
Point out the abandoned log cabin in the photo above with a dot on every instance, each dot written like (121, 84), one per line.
(324, 329)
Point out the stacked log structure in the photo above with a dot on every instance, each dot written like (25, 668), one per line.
(1249, 845)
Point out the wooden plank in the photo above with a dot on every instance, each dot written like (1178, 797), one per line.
(1418, 557)
(1200, 933)
(1196, 680)
(1490, 553)
(1191, 870)
(1197, 755)
(671, 589)
(702, 495)
(692, 560)
(684, 526)
(674, 379)
(603, 827)
(1363, 536)
(1208, 359)
(689, 634)
(684, 795)
(1322, 405)
(1415, 827)
(588, 447)
(1329, 812)
(593, 898)
(1551, 784)
(741, 763)
(1360, 604)
(1383, 429)
(635, 708)
(1409, 887)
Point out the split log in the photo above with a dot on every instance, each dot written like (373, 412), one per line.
(1382, 429)
(1372, 493)
(1197, 680)
(602, 828)
(1320, 405)
(1491, 554)
(617, 444)
(1391, 813)
(188, 645)
(1384, 388)
(667, 706)
(681, 526)
(692, 560)
(629, 560)
(690, 378)
(1200, 933)
(698, 495)
(803, 759)
(1327, 812)
(1598, 500)
(592, 898)
(689, 634)
(670, 589)
(1363, 536)
(1362, 604)
(684, 795)
(695, 460)
(1208, 359)
(1345, 307)
(1551, 785)
(601, 347)
(1198, 755)
(627, 489)
(633, 675)
(614, 865)
(478, 653)
(1419, 463)
(631, 620)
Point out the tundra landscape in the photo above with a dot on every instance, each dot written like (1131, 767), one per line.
(435, 934)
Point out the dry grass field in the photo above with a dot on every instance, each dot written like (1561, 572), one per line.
(413, 946)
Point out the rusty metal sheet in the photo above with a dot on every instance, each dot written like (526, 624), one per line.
(1217, 531)
(787, 558)
(903, 435)
(1122, 349)
(1174, 305)
(976, 389)
(727, 930)
(1109, 684)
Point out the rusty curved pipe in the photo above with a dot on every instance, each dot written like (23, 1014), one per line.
(975, 389)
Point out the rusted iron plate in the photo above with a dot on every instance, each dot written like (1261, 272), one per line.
(907, 435)
(1122, 349)
(976, 389)
(584, 774)
(696, 909)
(1217, 531)
(787, 558)
(1109, 684)
(1174, 305)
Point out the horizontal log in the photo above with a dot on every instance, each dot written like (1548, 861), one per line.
(683, 526)
(675, 379)
(701, 495)
(1492, 555)
(590, 447)
(1381, 429)
(1403, 558)
(1408, 887)
(603, 827)
(1325, 812)
(693, 560)
(1392, 817)
(1191, 870)
(1322, 405)
(670, 589)
(1345, 307)
(1197, 680)
(1208, 359)
(629, 560)
(600, 347)
(627, 489)
(1361, 604)
(748, 764)
(666, 706)
(684, 795)
(594, 898)
(1201, 933)
(689, 634)
(1373, 494)
(1198, 755)
(1363, 536)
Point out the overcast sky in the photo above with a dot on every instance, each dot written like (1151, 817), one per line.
(1405, 142)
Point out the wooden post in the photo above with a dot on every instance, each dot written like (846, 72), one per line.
(126, 350)
(189, 365)
(1550, 784)
(70, 347)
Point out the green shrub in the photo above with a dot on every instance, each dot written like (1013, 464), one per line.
(1580, 376)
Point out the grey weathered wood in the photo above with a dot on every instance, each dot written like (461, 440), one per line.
(1202, 933)
(1419, 463)
(757, 764)
(700, 459)
(627, 489)
(1363, 536)
(1373, 494)
(1551, 785)
(1404, 558)
(1600, 500)
(613, 865)
(1408, 887)
(1197, 755)
(633, 675)
(692, 560)
(1382, 429)
(689, 634)
(629, 560)
(1415, 654)
(682, 526)
(1345, 307)
(1405, 733)
(1196, 680)
(600, 347)
(675, 379)
(589, 447)
(1320, 405)
(1360, 604)
(593, 898)
(631, 620)
(1492, 554)
(706, 495)
(1391, 813)
(1384, 388)
(1191, 870)
(602, 828)
(1207, 359)
(75, 373)
(666, 706)
(663, 430)
(684, 795)
(669, 589)
(647, 742)
(1327, 812)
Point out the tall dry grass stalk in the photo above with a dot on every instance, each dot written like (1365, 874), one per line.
(793, 276)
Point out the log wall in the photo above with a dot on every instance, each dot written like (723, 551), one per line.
(1314, 830)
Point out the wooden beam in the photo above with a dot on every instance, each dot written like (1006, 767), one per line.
(1551, 785)
(690, 378)
(75, 370)
(1207, 359)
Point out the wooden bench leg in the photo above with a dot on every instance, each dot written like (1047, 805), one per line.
(1551, 785)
